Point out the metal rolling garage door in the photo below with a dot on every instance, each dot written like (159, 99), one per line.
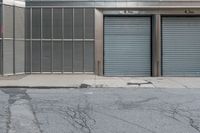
(127, 46)
(181, 46)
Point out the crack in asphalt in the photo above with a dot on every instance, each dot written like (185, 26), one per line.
(176, 112)
(79, 118)
(169, 110)
(128, 122)
(8, 119)
(15, 95)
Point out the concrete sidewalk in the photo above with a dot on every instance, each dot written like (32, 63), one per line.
(84, 81)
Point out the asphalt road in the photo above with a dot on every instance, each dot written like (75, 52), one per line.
(103, 110)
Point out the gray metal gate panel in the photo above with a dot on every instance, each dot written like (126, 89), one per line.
(47, 23)
(19, 23)
(27, 23)
(1, 57)
(89, 23)
(36, 56)
(8, 21)
(68, 23)
(68, 54)
(46, 56)
(36, 23)
(89, 57)
(57, 56)
(181, 46)
(27, 57)
(68, 31)
(57, 23)
(7, 56)
(19, 56)
(78, 56)
(127, 46)
(78, 24)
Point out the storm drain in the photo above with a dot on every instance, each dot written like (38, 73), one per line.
(139, 84)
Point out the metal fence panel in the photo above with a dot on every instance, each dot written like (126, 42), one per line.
(19, 23)
(46, 56)
(27, 57)
(8, 57)
(57, 23)
(57, 56)
(89, 57)
(78, 23)
(47, 23)
(62, 55)
(68, 23)
(1, 57)
(68, 56)
(8, 21)
(19, 56)
(36, 23)
(27, 23)
(78, 56)
(1, 21)
(89, 23)
(36, 56)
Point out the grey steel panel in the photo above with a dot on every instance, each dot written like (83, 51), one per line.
(36, 23)
(36, 56)
(181, 48)
(127, 46)
(19, 23)
(46, 23)
(27, 57)
(121, 3)
(78, 57)
(89, 23)
(46, 56)
(7, 56)
(8, 22)
(57, 23)
(78, 23)
(19, 56)
(27, 23)
(89, 57)
(57, 56)
(1, 15)
(68, 56)
(68, 23)
(1, 57)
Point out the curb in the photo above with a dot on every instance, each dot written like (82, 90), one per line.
(39, 87)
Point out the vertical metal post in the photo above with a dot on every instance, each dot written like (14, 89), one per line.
(83, 40)
(31, 69)
(41, 37)
(25, 52)
(63, 40)
(73, 41)
(14, 40)
(51, 40)
(2, 43)
(156, 45)
(93, 37)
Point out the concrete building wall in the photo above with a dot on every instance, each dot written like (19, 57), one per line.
(12, 41)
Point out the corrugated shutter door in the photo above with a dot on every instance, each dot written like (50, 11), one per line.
(127, 46)
(181, 46)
